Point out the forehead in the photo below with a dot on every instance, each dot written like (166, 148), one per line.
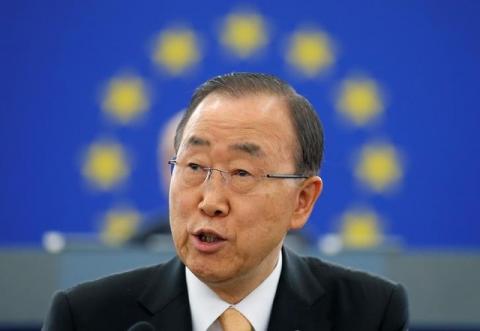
(251, 121)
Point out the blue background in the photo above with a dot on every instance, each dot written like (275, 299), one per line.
(56, 55)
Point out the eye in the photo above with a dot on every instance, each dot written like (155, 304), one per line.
(194, 167)
(241, 173)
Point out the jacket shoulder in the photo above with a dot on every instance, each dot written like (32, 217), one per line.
(355, 299)
(127, 283)
(334, 275)
(107, 303)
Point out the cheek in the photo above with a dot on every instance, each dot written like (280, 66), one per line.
(278, 204)
(266, 217)
(179, 210)
(180, 199)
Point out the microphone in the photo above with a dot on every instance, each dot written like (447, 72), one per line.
(141, 326)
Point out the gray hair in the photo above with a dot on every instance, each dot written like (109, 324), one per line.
(307, 125)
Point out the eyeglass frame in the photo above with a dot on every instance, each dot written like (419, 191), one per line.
(209, 171)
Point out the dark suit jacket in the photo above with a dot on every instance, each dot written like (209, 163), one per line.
(311, 295)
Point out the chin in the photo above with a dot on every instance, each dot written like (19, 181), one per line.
(208, 273)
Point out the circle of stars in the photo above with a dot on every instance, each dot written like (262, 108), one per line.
(175, 50)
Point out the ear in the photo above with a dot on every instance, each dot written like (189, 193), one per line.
(307, 195)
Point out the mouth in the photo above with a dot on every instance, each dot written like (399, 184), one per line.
(207, 241)
(208, 236)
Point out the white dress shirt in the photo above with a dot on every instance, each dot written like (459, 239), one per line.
(206, 306)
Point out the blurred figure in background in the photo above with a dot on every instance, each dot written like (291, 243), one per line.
(158, 224)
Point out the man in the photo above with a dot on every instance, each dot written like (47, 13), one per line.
(157, 226)
(248, 150)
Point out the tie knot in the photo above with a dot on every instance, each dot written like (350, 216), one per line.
(233, 320)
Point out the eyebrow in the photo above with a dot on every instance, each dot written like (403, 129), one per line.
(249, 148)
(197, 141)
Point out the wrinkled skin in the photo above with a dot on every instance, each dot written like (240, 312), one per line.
(253, 225)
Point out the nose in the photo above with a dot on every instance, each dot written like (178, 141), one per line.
(214, 202)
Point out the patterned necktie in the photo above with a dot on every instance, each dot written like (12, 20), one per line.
(233, 320)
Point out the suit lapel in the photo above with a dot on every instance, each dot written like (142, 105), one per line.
(298, 290)
(166, 299)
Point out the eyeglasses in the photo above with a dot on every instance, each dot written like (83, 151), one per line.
(240, 181)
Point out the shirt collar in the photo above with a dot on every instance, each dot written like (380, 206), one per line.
(206, 306)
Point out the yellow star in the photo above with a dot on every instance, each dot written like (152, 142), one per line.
(310, 51)
(119, 224)
(244, 33)
(360, 100)
(361, 229)
(379, 167)
(176, 50)
(105, 165)
(125, 98)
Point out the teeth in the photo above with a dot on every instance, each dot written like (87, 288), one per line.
(209, 238)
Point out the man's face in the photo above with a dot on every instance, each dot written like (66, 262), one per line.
(224, 236)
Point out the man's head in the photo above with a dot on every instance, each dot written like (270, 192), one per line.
(308, 129)
(249, 126)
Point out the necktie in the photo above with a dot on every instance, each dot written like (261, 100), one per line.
(233, 320)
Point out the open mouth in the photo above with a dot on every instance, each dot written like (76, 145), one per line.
(208, 237)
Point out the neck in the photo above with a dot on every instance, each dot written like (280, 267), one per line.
(235, 290)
